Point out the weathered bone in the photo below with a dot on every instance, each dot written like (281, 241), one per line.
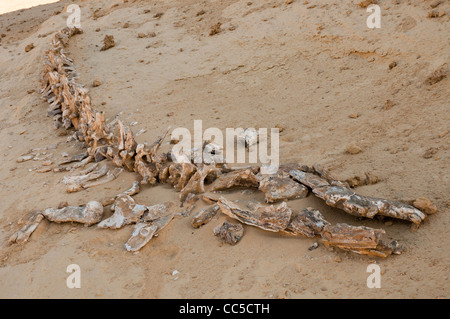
(75, 158)
(25, 232)
(90, 214)
(196, 182)
(276, 188)
(141, 235)
(144, 232)
(358, 239)
(76, 183)
(157, 211)
(265, 217)
(147, 162)
(365, 206)
(308, 179)
(229, 233)
(126, 211)
(307, 223)
(237, 179)
(204, 216)
(110, 176)
(354, 204)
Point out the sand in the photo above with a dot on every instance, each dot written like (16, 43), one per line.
(316, 70)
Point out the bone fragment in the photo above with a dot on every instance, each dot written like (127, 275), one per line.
(126, 211)
(22, 236)
(90, 214)
(269, 218)
(229, 233)
(204, 216)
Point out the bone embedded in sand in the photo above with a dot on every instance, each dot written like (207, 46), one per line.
(236, 179)
(204, 216)
(229, 233)
(269, 218)
(90, 214)
(25, 232)
(126, 211)
(276, 188)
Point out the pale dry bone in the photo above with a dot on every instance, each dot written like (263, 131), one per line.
(89, 215)
(77, 183)
(143, 232)
(126, 211)
(229, 233)
(25, 232)
(354, 204)
(204, 216)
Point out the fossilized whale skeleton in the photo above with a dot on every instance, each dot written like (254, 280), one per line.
(70, 107)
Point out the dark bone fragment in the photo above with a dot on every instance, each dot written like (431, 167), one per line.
(204, 216)
(265, 217)
(229, 233)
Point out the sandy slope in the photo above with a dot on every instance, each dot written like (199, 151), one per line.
(306, 68)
